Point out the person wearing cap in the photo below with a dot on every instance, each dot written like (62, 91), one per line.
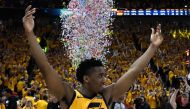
(184, 99)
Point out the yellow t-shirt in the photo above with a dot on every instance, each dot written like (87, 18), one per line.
(152, 102)
(2, 106)
(171, 75)
(41, 104)
(20, 86)
(6, 82)
(11, 85)
(143, 81)
(30, 98)
(24, 92)
(129, 97)
(12, 82)
(81, 102)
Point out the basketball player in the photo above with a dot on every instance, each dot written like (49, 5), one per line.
(90, 73)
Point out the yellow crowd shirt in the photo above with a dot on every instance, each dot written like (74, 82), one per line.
(152, 102)
(20, 86)
(2, 106)
(41, 104)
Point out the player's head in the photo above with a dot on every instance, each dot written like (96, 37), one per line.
(91, 73)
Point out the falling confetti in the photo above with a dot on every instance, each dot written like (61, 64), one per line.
(85, 32)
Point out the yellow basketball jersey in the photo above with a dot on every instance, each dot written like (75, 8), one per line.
(81, 102)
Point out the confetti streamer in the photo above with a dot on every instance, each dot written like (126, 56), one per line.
(85, 32)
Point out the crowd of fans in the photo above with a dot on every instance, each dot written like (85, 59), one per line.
(37, 3)
(22, 85)
(155, 84)
(152, 4)
(130, 4)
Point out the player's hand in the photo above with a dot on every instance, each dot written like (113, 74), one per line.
(28, 19)
(156, 36)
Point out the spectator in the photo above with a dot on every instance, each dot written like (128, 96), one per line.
(184, 98)
(42, 104)
(140, 103)
(28, 105)
(184, 101)
(2, 105)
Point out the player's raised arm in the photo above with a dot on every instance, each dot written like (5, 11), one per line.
(125, 82)
(55, 84)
